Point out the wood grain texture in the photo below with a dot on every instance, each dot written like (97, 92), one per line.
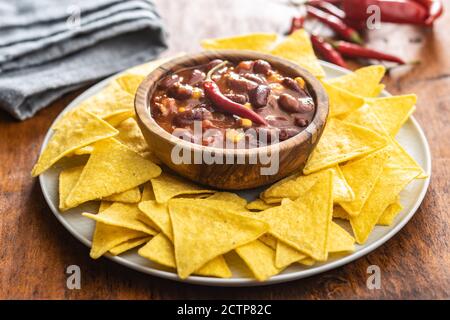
(35, 249)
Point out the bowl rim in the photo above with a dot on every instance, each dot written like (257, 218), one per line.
(148, 85)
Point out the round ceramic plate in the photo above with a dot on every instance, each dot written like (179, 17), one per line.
(411, 137)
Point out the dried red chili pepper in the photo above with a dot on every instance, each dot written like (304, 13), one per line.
(435, 9)
(212, 91)
(356, 51)
(326, 50)
(396, 11)
(296, 24)
(328, 7)
(335, 23)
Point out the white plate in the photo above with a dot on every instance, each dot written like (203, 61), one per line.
(411, 137)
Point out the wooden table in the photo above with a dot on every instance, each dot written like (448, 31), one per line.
(35, 249)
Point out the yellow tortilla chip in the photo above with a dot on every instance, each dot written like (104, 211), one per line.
(269, 240)
(297, 48)
(231, 198)
(160, 250)
(399, 158)
(84, 150)
(259, 205)
(362, 175)
(260, 259)
(106, 237)
(159, 214)
(112, 168)
(121, 215)
(104, 205)
(340, 213)
(390, 183)
(128, 245)
(286, 255)
(67, 180)
(147, 192)
(390, 213)
(364, 81)
(129, 82)
(366, 118)
(393, 111)
(130, 196)
(296, 185)
(116, 118)
(77, 130)
(342, 101)
(304, 224)
(131, 135)
(341, 142)
(167, 186)
(203, 233)
(261, 42)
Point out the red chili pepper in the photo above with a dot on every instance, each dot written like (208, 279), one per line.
(328, 7)
(356, 51)
(212, 91)
(296, 24)
(335, 23)
(396, 11)
(327, 51)
(435, 9)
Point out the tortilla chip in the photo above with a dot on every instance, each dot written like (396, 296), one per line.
(399, 158)
(341, 142)
(67, 180)
(79, 129)
(388, 216)
(269, 240)
(130, 196)
(297, 48)
(260, 259)
(362, 175)
(261, 42)
(340, 213)
(203, 233)
(364, 81)
(389, 185)
(304, 224)
(160, 250)
(342, 101)
(106, 237)
(129, 82)
(121, 215)
(128, 245)
(393, 111)
(84, 150)
(167, 186)
(365, 117)
(158, 213)
(230, 197)
(112, 168)
(298, 184)
(147, 193)
(116, 118)
(258, 205)
(287, 255)
(104, 205)
(131, 135)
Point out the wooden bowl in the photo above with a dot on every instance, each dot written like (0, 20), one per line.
(292, 153)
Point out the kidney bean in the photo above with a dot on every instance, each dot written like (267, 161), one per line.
(238, 98)
(169, 81)
(262, 66)
(186, 118)
(196, 77)
(260, 96)
(291, 84)
(213, 63)
(179, 91)
(240, 84)
(306, 105)
(254, 78)
(288, 103)
(286, 133)
(300, 121)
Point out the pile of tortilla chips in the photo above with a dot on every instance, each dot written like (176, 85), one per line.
(355, 173)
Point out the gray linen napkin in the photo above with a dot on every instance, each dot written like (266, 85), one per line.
(45, 51)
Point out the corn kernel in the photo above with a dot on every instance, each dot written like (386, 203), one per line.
(275, 77)
(300, 82)
(181, 109)
(234, 135)
(197, 93)
(248, 105)
(246, 123)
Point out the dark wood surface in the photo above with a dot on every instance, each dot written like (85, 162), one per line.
(35, 249)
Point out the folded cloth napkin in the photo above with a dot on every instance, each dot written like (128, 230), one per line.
(51, 47)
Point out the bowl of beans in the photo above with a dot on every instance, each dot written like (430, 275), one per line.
(231, 119)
